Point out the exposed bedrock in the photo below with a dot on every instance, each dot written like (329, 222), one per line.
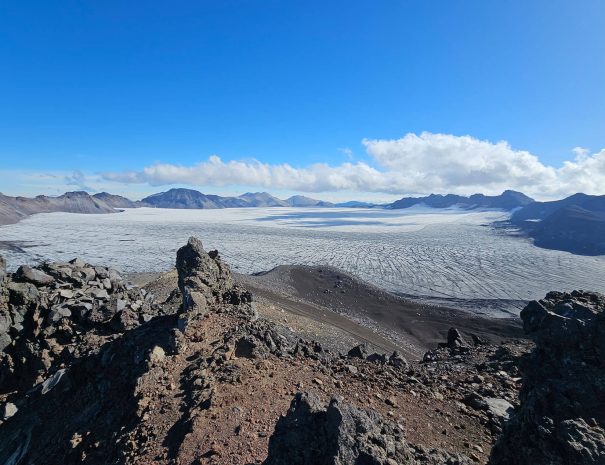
(341, 434)
(561, 418)
(53, 314)
(204, 279)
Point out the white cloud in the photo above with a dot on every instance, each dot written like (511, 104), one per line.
(215, 172)
(414, 164)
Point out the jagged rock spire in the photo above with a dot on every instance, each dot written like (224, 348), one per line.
(203, 277)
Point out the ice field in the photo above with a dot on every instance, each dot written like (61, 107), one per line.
(448, 255)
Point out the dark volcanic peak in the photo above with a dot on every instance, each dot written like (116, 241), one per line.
(540, 210)
(191, 199)
(575, 224)
(180, 198)
(508, 200)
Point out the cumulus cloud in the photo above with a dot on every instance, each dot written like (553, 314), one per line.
(414, 164)
(216, 172)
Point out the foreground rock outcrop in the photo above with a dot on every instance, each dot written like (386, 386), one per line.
(94, 370)
(56, 313)
(339, 434)
(561, 419)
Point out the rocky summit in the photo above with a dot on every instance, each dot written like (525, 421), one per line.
(187, 370)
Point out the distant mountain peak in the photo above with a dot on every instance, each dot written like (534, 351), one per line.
(508, 200)
(304, 201)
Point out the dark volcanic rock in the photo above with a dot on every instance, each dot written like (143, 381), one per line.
(561, 419)
(2, 268)
(203, 277)
(311, 434)
(53, 314)
(77, 415)
(454, 339)
(360, 351)
(34, 276)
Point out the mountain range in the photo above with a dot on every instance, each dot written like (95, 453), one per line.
(189, 198)
(508, 200)
(575, 224)
(13, 209)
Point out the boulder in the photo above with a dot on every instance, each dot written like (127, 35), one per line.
(8, 410)
(561, 417)
(58, 312)
(496, 407)
(50, 383)
(23, 294)
(398, 361)
(340, 434)
(454, 339)
(34, 276)
(377, 358)
(359, 351)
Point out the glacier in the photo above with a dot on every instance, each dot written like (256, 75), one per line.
(449, 256)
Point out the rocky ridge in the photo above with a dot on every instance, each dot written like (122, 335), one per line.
(14, 209)
(129, 378)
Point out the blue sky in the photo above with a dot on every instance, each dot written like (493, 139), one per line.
(93, 93)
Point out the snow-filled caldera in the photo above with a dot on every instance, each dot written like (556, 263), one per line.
(449, 256)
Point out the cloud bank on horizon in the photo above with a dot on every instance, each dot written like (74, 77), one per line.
(414, 164)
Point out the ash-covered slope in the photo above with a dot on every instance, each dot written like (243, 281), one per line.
(13, 209)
